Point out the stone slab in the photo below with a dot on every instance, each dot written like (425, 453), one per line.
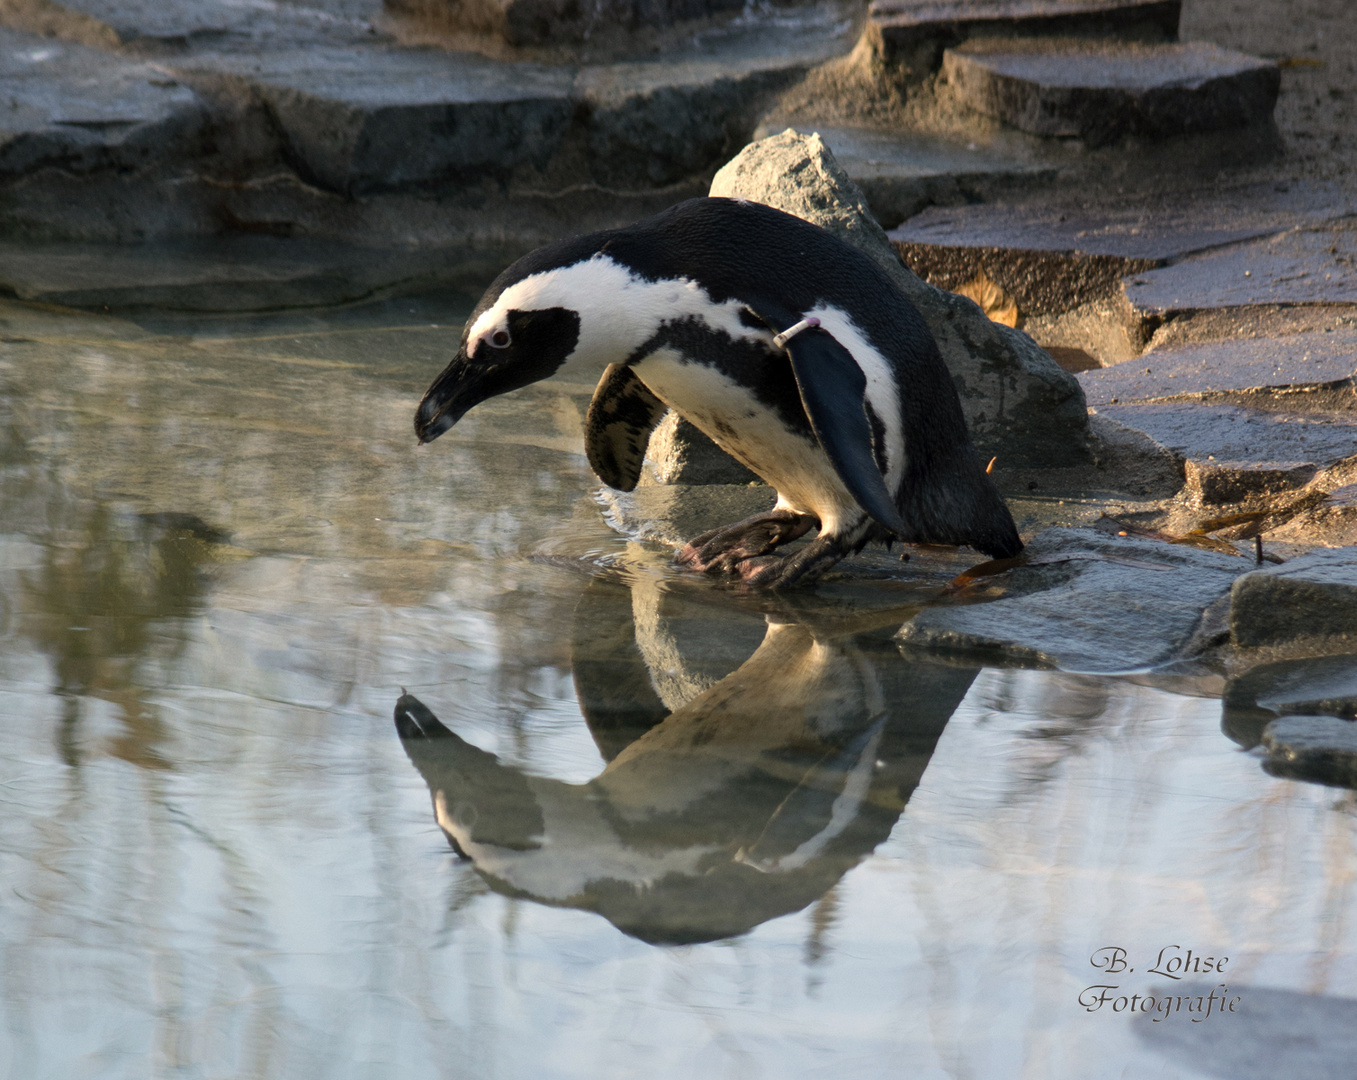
(1223, 483)
(1311, 598)
(1233, 433)
(673, 514)
(1310, 686)
(901, 172)
(1158, 228)
(1321, 749)
(1019, 405)
(1084, 600)
(1217, 366)
(158, 25)
(81, 109)
(914, 33)
(1304, 266)
(363, 121)
(1101, 91)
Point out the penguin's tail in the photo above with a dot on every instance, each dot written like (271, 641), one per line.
(951, 500)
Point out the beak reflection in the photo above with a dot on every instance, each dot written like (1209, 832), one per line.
(734, 792)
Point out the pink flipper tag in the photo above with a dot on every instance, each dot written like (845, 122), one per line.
(780, 340)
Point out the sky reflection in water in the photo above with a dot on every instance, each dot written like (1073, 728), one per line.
(222, 559)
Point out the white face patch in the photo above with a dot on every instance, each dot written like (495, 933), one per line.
(619, 311)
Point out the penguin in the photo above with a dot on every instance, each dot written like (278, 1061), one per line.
(792, 350)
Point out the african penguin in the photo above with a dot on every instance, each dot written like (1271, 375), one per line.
(791, 349)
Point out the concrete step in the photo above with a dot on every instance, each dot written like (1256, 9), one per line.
(912, 34)
(1103, 91)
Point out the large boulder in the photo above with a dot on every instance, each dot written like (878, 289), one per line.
(1021, 407)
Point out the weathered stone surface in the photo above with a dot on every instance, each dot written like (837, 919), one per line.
(1221, 483)
(1331, 522)
(1018, 403)
(902, 172)
(913, 33)
(683, 455)
(1310, 266)
(1312, 598)
(1322, 749)
(1154, 227)
(1101, 91)
(1290, 360)
(81, 110)
(1311, 686)
(547, 22)
(1233, 433)
(1084, 600)
(379, 119)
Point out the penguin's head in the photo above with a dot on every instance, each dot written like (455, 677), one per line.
(509, 342)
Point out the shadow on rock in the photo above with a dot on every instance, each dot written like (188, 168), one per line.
(734, 792)
(1270, 1033)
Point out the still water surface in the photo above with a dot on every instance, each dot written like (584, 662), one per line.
(700, 834)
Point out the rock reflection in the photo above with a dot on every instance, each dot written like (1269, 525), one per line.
(729, 797)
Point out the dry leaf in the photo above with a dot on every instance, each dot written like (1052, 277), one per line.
(993, 301)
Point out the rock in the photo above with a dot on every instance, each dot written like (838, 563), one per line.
(673, 514)
(1019, 404)
(368, 121)
(1084, 600)
(1309, 602)
(1154, 227)
(1232, 433)
(81, 111)
(1102, 91)
(1289, 360)
(1322, 749)
(683, 455)
(901, 172)
(1311, 266)
(1221, 483)
(1312, 686)
(912, 35)
(1332, 522)
(549, 22)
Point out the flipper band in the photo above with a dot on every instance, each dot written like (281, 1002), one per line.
(780, 340)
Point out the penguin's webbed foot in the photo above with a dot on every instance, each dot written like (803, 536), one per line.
(725, 550)
(779, 572)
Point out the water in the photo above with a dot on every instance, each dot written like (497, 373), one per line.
(721, 836)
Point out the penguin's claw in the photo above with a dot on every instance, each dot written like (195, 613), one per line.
(805, 566)
(726, 550)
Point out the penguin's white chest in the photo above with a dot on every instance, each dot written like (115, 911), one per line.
(753, 434)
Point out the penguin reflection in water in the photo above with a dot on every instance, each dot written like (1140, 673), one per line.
(792, 350)
(742, 802)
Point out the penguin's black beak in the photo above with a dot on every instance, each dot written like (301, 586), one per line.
(448, 399)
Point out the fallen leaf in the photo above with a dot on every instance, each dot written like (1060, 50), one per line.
(997, 305)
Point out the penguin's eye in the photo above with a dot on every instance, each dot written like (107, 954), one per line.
(499, 339)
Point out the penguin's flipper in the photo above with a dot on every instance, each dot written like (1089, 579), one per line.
(617, 429)
(833, 392)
